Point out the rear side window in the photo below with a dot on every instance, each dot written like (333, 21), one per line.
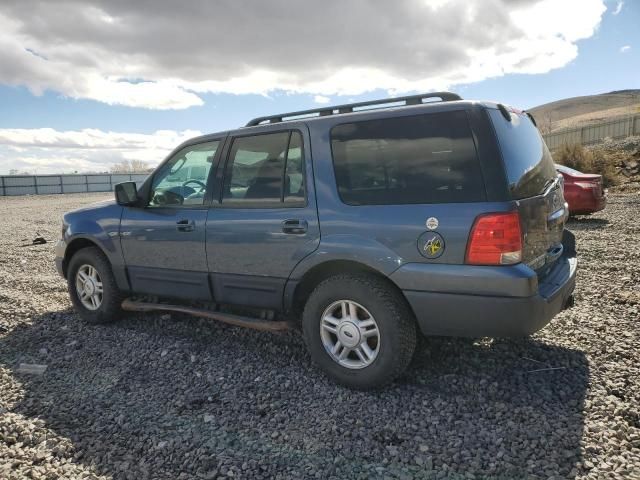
(419, 159)
(265, 170)
(527, 160)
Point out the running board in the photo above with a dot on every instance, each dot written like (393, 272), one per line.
(237, 320)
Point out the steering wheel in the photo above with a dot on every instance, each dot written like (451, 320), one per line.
(197, 182)
(167, 197)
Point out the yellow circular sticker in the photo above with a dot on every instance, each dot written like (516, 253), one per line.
(431, 245)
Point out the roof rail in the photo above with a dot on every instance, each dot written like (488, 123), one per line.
(349, 107)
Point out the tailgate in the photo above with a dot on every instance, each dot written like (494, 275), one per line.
(535, 187)
(542, 220)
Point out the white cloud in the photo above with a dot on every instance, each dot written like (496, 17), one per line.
(45, 150)
(117, 53)
(618, 8)
(321, 99)
(625, 48)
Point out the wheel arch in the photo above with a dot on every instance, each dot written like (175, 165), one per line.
(74, 247)
(297, 293)
(82, 242)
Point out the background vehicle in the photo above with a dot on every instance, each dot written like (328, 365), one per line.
(445, 218)
(583, 191)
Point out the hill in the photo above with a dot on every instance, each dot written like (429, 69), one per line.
(579, 111)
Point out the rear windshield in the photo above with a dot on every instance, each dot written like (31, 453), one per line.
(527, 160)
(419, 159)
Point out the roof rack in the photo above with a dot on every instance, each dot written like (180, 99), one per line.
(349, 107)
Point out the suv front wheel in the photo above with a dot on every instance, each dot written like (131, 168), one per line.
(359, 330)
(92, 287)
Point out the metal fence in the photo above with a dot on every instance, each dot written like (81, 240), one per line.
(620, 127)
(47, 184)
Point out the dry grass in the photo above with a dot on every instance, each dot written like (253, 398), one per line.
(579, 111)
(588, 161)
(599, 116)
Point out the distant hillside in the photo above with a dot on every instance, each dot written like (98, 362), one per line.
(579, 111)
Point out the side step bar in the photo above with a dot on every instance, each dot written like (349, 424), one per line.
(237, 320)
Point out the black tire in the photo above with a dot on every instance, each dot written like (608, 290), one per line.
(110, 309)
(392, 314)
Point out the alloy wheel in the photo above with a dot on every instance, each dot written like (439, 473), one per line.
(89, 287)
(350, 334)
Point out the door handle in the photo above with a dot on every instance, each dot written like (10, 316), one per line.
(295, 227)
(186, 225)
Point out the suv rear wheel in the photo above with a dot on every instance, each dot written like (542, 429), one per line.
(92, 287)
(359, 330)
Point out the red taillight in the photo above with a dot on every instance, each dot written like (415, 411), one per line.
(495, 239)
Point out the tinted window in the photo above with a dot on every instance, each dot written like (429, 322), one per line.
(527, 160)
(183, 179)
(294, 175)
(265, 169)
(419, 159)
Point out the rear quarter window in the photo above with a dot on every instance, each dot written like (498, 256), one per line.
(427, 158)
(527, 161)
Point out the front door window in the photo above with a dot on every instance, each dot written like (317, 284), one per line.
(183, 179)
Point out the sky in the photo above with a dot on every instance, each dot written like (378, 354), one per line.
(86, 84)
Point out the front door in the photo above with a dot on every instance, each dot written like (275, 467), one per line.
(164, 242)
(265, 219)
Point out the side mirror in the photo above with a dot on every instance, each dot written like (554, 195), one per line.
(126, 193)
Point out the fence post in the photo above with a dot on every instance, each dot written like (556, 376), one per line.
(61, 184)
(4, 192)
(86, 183)
(35, 183)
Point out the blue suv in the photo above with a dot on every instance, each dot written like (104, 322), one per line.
(363, 224)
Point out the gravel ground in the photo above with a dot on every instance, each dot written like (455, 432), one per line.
(173, 397)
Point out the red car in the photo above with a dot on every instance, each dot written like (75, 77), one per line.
(582, 191)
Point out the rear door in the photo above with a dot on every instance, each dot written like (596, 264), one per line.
(535, 186)
(403, 180)
(264, 220)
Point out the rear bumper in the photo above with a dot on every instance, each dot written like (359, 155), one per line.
(497, 302)
(585, 204)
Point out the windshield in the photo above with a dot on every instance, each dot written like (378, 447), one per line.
(527, 160)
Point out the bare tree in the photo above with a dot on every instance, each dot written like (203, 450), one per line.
(130, 166)
(545, 123)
